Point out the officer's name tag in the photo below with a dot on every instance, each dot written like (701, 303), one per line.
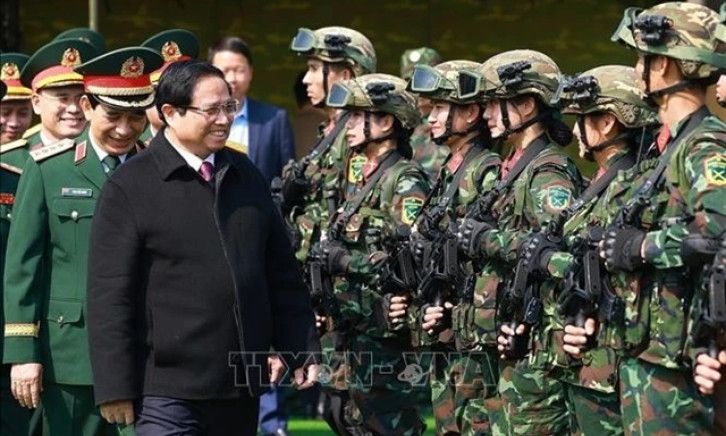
(76, 192)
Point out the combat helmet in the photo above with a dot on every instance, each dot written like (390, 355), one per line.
(382, 93)
(692, 34)
(441, 82)
(512, 74)
(418, 56)
(337, 45)
(612, 89)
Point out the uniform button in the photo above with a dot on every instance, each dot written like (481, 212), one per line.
(60, 319)
(9, 216)
(74, 215)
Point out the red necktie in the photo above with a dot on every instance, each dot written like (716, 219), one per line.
(206, 171)
(663, 137)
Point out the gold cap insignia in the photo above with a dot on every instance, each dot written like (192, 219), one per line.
(170, 51)
(414, 56)
(9, 71)
(71, 58)
(132, 67)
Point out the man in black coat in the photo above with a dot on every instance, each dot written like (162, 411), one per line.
(191, 279)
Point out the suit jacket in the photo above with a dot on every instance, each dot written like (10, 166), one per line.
(45, 266)
(183, 276)
(271, 142)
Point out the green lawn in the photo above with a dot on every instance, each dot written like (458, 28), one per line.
(311, 427)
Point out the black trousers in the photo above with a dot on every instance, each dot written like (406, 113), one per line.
(162, 416)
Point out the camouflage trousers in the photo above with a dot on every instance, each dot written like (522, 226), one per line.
(593, 413)
(381, 385)
(533, 400)
(655, 400)
(464, 392)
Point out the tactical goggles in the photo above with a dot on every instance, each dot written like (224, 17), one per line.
(426, 79)
(624, 31)
(470, 84)
(376, 94)
(305, 41)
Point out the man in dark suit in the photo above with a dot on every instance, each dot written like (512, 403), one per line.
(191, 279)
(260, 130)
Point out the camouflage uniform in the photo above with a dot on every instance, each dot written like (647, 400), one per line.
(426, 152)
(376, 381)
(325, 175)
(657, 390)
(592, 380)
(463, 379)
(533, 400)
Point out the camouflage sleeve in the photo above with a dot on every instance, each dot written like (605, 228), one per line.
(487, 172)
(705, 173)
(559, 264)
(403, 205)
(550, 192)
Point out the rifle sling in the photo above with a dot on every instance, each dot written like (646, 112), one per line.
(324, 145)
(534, 149)
(598, 186)
(388, 162)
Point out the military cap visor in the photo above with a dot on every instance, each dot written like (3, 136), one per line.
(10, 66)
(3, 89)
(85, 34)
(173, 45)
(121, 78)
(52, 65)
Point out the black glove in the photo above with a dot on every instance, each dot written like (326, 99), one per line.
(421, 248)
(622, 248)
(698, 250)
(337, 255)
(469, 238)
(537, 251)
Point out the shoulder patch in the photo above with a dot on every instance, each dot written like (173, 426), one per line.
(13, 145)
(558, 197)
(52, 149)
(715, 170)
(32, 131)
(411, 207)
(11, 168)
(355, 168)
(236, 146)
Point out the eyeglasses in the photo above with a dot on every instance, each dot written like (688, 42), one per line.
(426, 79)
(230, 108)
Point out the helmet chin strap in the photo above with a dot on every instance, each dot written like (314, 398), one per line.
(326, 71)
(591, 149)
(358, 148)
(449, 131)
(508, 129)
(651, 96)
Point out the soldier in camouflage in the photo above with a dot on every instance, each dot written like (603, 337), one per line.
(315, 185)
(462, 380)
(390, 193)
(537, 182)
(425, 151)
(648, 245)
(612, 121)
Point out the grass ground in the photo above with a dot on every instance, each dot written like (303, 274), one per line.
(312, 427)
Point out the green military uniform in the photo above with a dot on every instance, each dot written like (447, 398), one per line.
(532, 399)
(658, 393)
(591, 381)
(390, 193)
(45, 278)
(425, 151)
(463, 378)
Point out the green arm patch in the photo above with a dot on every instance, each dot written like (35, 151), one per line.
(715, 170)
(411, 208)
(558, 197)
(355, 168)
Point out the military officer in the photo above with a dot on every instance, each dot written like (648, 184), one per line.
(16, 111)
(173, 45)
(425, 151)
(536, 183)
(45, 331)
(390, 193)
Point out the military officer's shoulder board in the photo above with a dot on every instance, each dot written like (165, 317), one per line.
(13, 145)
(32, 131)
(43, 153)
(11, 168)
